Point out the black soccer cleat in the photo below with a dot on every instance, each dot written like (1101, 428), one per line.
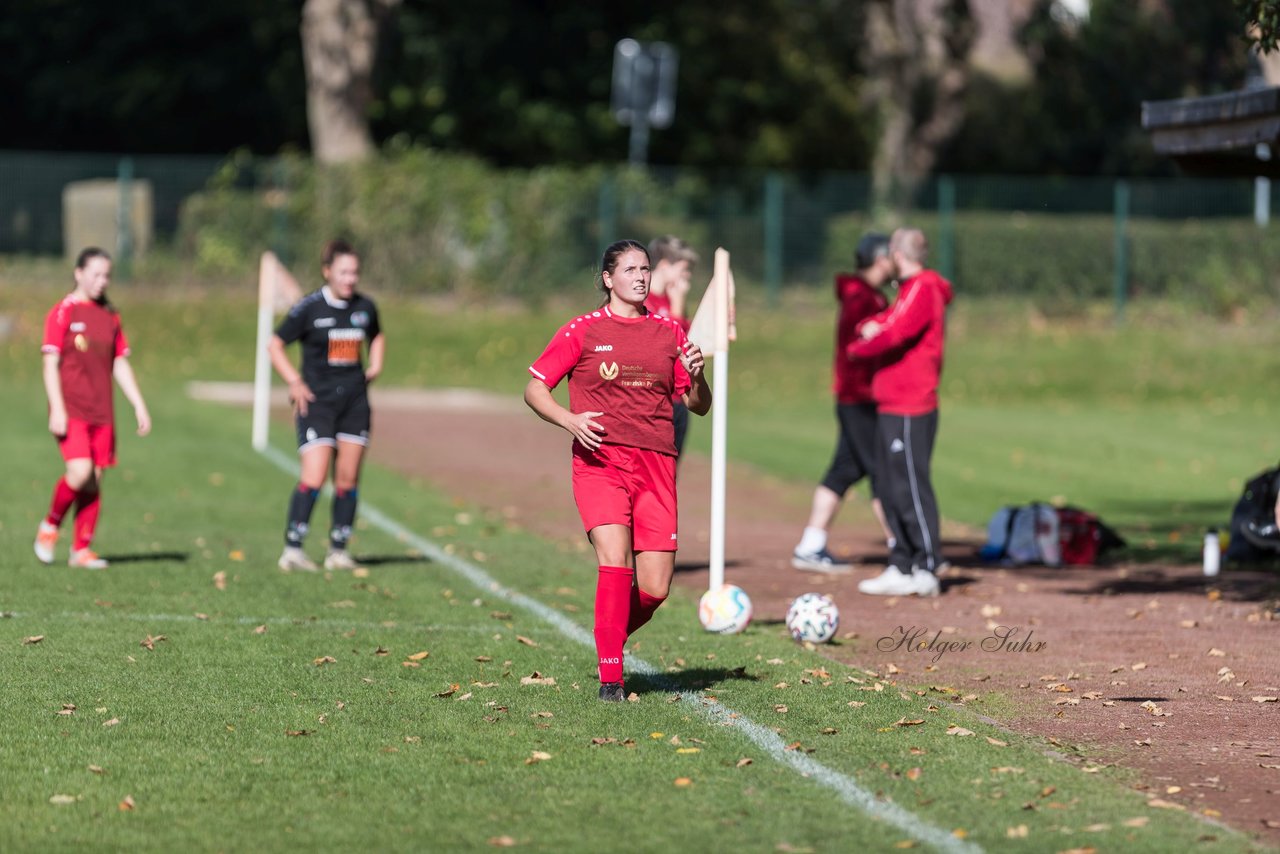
(611, 692)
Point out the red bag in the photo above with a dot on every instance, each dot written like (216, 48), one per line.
(1083, 536)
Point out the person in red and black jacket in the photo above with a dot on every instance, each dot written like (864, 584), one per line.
(672, 261)
(84, 349)
(907, 341)
(860, 297)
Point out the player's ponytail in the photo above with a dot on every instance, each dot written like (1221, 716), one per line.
(610, 261)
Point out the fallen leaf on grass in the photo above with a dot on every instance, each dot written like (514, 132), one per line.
(1161, 803)
(682, 782)
(905, 843)
(743, 762)
(502, 842)
(1019, 832)
(1266, 699)
(537, 756)
(912, 722)
(828, 730)
(67, 709)
(111, 722)
(418, 656)
(543, 715)
(450, 691)
(260, 630)
(688, 750)
(62, 800)
(959, 730)
(1217, 653)
(34, 639)
(782, 710)
(856, 704)
(97, 769)
(483, 659)
(298, 732)
(1141, 665)
(1139, 821)
(460, 697)
(150, 642)
(537, 678)
(526, 641)
(997, 742)
(913, 774)
(1271, 824)
(127, 805)
(323, 660)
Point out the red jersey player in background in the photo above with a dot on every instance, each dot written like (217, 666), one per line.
(623, 364)
(860, 297)
(84, 347)
(672, 265)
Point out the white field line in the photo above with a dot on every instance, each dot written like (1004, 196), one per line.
(766, 739)
(215, 620)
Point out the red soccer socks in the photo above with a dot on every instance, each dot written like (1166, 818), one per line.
(88, 504)
(613, 607)
(63, 497)
(643, 606)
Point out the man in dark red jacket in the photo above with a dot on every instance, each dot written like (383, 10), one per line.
(855, 455)
(907, 342)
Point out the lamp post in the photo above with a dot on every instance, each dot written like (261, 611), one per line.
(644, 91)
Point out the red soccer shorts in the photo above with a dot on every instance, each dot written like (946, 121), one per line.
(96, 442)
(621, 485)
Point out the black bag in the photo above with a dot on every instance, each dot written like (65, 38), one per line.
(1257, 504)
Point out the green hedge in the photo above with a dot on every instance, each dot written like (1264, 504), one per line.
(437, 223)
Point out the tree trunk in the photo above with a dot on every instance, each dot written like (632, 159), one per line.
(918, 53)
(339, 44)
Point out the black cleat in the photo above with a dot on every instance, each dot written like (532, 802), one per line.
(1262, 534)
(611, 692)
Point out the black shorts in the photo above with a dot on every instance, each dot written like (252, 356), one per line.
(333, 417)
(855, 456)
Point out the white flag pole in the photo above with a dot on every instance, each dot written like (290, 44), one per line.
(267, 274)
(719, 416)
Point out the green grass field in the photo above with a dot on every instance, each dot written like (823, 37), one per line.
(279, 711)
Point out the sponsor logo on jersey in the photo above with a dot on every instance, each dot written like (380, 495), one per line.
(608, 372)
(359, 318)
(344, 346)
(82, 343)
(78, 326)
(322, 322)
(604, 348)
(610, 661)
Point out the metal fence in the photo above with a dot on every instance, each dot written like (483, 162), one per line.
(1047, 238)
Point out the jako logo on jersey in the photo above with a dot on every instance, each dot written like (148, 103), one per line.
(608, 372)
(610, 661)
(359, 318)
(604, 348)
(322, 322)
(78, 326)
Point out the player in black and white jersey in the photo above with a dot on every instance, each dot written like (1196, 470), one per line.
(330, 399)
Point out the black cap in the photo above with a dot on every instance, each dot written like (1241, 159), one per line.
(871, 247)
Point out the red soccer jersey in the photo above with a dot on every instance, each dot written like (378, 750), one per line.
(626, 367)
(88, 338)
(858, 301)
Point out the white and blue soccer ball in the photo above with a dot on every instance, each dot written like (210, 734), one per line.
(813, 618)
(725, 610)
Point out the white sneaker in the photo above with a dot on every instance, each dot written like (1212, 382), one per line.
(340, 559)
(46, 541)
(295, 558)
(820, 561)
(894, 582)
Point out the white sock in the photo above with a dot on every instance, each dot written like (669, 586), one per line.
(813, 540)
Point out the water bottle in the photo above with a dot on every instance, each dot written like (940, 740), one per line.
(1212, 552)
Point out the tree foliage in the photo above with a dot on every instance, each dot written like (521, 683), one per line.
(1262, 17)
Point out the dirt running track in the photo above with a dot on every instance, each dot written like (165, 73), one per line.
(1113, 639)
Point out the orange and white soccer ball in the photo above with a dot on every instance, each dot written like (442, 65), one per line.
(725, 610)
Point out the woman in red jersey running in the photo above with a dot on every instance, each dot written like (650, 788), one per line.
(84, 347)
(623, 365)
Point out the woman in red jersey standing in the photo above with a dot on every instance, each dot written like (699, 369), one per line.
(84, 348)
(623, 365)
